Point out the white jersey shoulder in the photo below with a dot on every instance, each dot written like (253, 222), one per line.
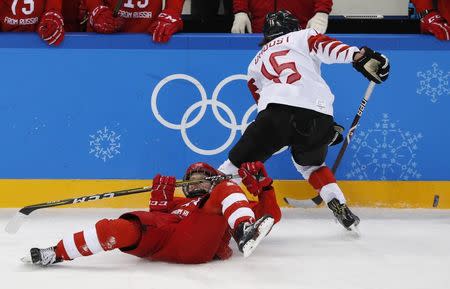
(287, 70)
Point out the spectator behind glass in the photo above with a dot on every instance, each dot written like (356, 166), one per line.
(138, 16)
(249, 15)
(434, 21)
(41, 16)
(206, 12)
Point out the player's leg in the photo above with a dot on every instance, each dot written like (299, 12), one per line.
(228, 199)
(105, 235)
(138, 233)
(312, 167)
(269, 133)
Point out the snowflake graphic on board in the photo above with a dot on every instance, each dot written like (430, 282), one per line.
(433, 82)
(384, 152)
(104, 144)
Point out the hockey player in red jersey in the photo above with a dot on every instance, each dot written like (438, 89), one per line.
(295, 105)
(194, 229)
(250, 14)
(41, 16)
(73, 16)
(138, 16)
(434, 20)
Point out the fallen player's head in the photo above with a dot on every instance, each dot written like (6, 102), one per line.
(198, 171)
(278, 24)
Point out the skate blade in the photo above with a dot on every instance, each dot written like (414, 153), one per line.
(354, 231)
(26, 260)
(263, 230)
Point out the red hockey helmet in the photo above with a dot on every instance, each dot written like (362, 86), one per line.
(199, 189)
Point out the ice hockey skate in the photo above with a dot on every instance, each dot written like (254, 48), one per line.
(343, 215)
(43, 257)
(249, 235)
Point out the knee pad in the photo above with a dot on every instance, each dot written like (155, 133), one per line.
(117, 233)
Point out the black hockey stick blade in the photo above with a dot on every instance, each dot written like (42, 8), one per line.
(305, 203)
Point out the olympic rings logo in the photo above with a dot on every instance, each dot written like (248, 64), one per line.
(203, 104)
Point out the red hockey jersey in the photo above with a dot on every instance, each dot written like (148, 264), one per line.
(199, 238)
(72, 15)
(24, 15)
(138, 14)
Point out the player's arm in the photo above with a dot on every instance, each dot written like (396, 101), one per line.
(329, 50)
(174, 7)
(258, 183)
(92, 4)
(53, 4)
(324, 6)
(373, 65)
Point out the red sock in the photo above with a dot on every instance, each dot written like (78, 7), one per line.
(324, 182)
(321, 177)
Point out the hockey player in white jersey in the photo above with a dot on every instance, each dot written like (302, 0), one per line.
(295, 105)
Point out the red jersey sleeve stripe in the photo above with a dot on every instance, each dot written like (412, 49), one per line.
(333, 46)
(346, 47)
(316, 40)
(324, 44)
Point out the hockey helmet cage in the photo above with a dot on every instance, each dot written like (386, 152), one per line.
(199, 167)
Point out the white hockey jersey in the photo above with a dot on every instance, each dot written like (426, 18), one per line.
(287, 70)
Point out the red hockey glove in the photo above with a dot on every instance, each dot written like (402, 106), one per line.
(163, 189)
(165, 26)
(255, 178)
(51, 27)
(103, 21)
(435, 24)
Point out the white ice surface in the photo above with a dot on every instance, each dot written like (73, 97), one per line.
(398, 249)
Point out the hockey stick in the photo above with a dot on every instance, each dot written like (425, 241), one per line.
(17, 221)
(117, 8)
(317, 200)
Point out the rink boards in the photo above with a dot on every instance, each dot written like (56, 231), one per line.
(107, 112)
(394, 194)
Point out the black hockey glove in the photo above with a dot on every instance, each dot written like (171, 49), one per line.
(373, 65)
